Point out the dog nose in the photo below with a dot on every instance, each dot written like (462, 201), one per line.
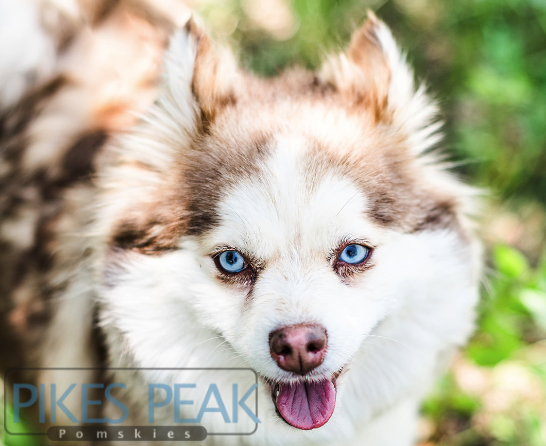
(298, 348)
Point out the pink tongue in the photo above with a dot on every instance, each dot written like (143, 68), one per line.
(307, 405)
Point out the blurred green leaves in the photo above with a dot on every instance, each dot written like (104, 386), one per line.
(510, 263)
(513, 313)
(16, 440)
(496, 393)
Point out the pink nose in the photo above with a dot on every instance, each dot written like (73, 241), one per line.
(298, 348)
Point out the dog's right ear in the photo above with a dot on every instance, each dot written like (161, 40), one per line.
(374, 79)
(201, 74)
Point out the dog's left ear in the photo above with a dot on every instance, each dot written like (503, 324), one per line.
(373, 78)
(201, 74)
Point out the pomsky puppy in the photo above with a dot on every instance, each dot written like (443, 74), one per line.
(163, 208)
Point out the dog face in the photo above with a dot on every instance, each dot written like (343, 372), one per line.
(291, 220)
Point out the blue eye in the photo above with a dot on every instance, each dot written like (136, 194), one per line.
(354, 254)
(231, 261)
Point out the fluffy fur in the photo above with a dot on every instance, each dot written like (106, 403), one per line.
(110, 223)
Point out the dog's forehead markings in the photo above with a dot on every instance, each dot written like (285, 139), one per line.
(282, 207)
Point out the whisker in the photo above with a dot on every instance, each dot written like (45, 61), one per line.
(390, 339)
(208, 357)
(348, 201)
(207, 340)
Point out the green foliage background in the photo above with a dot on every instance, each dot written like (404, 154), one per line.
(485, 62)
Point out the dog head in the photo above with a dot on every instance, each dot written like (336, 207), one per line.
(283, 223)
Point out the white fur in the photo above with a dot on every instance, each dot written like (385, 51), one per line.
(392, 327)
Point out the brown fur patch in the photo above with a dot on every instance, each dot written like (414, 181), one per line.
(187, 204)
(219, 162)
(78, 159)
(16, 119)
(152, 236)
(441, 213)
(213, 82)
(382, 173)
(100, 10)
(388, 176)
(365, 52)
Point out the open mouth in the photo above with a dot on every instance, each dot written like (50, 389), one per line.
(306, 405)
